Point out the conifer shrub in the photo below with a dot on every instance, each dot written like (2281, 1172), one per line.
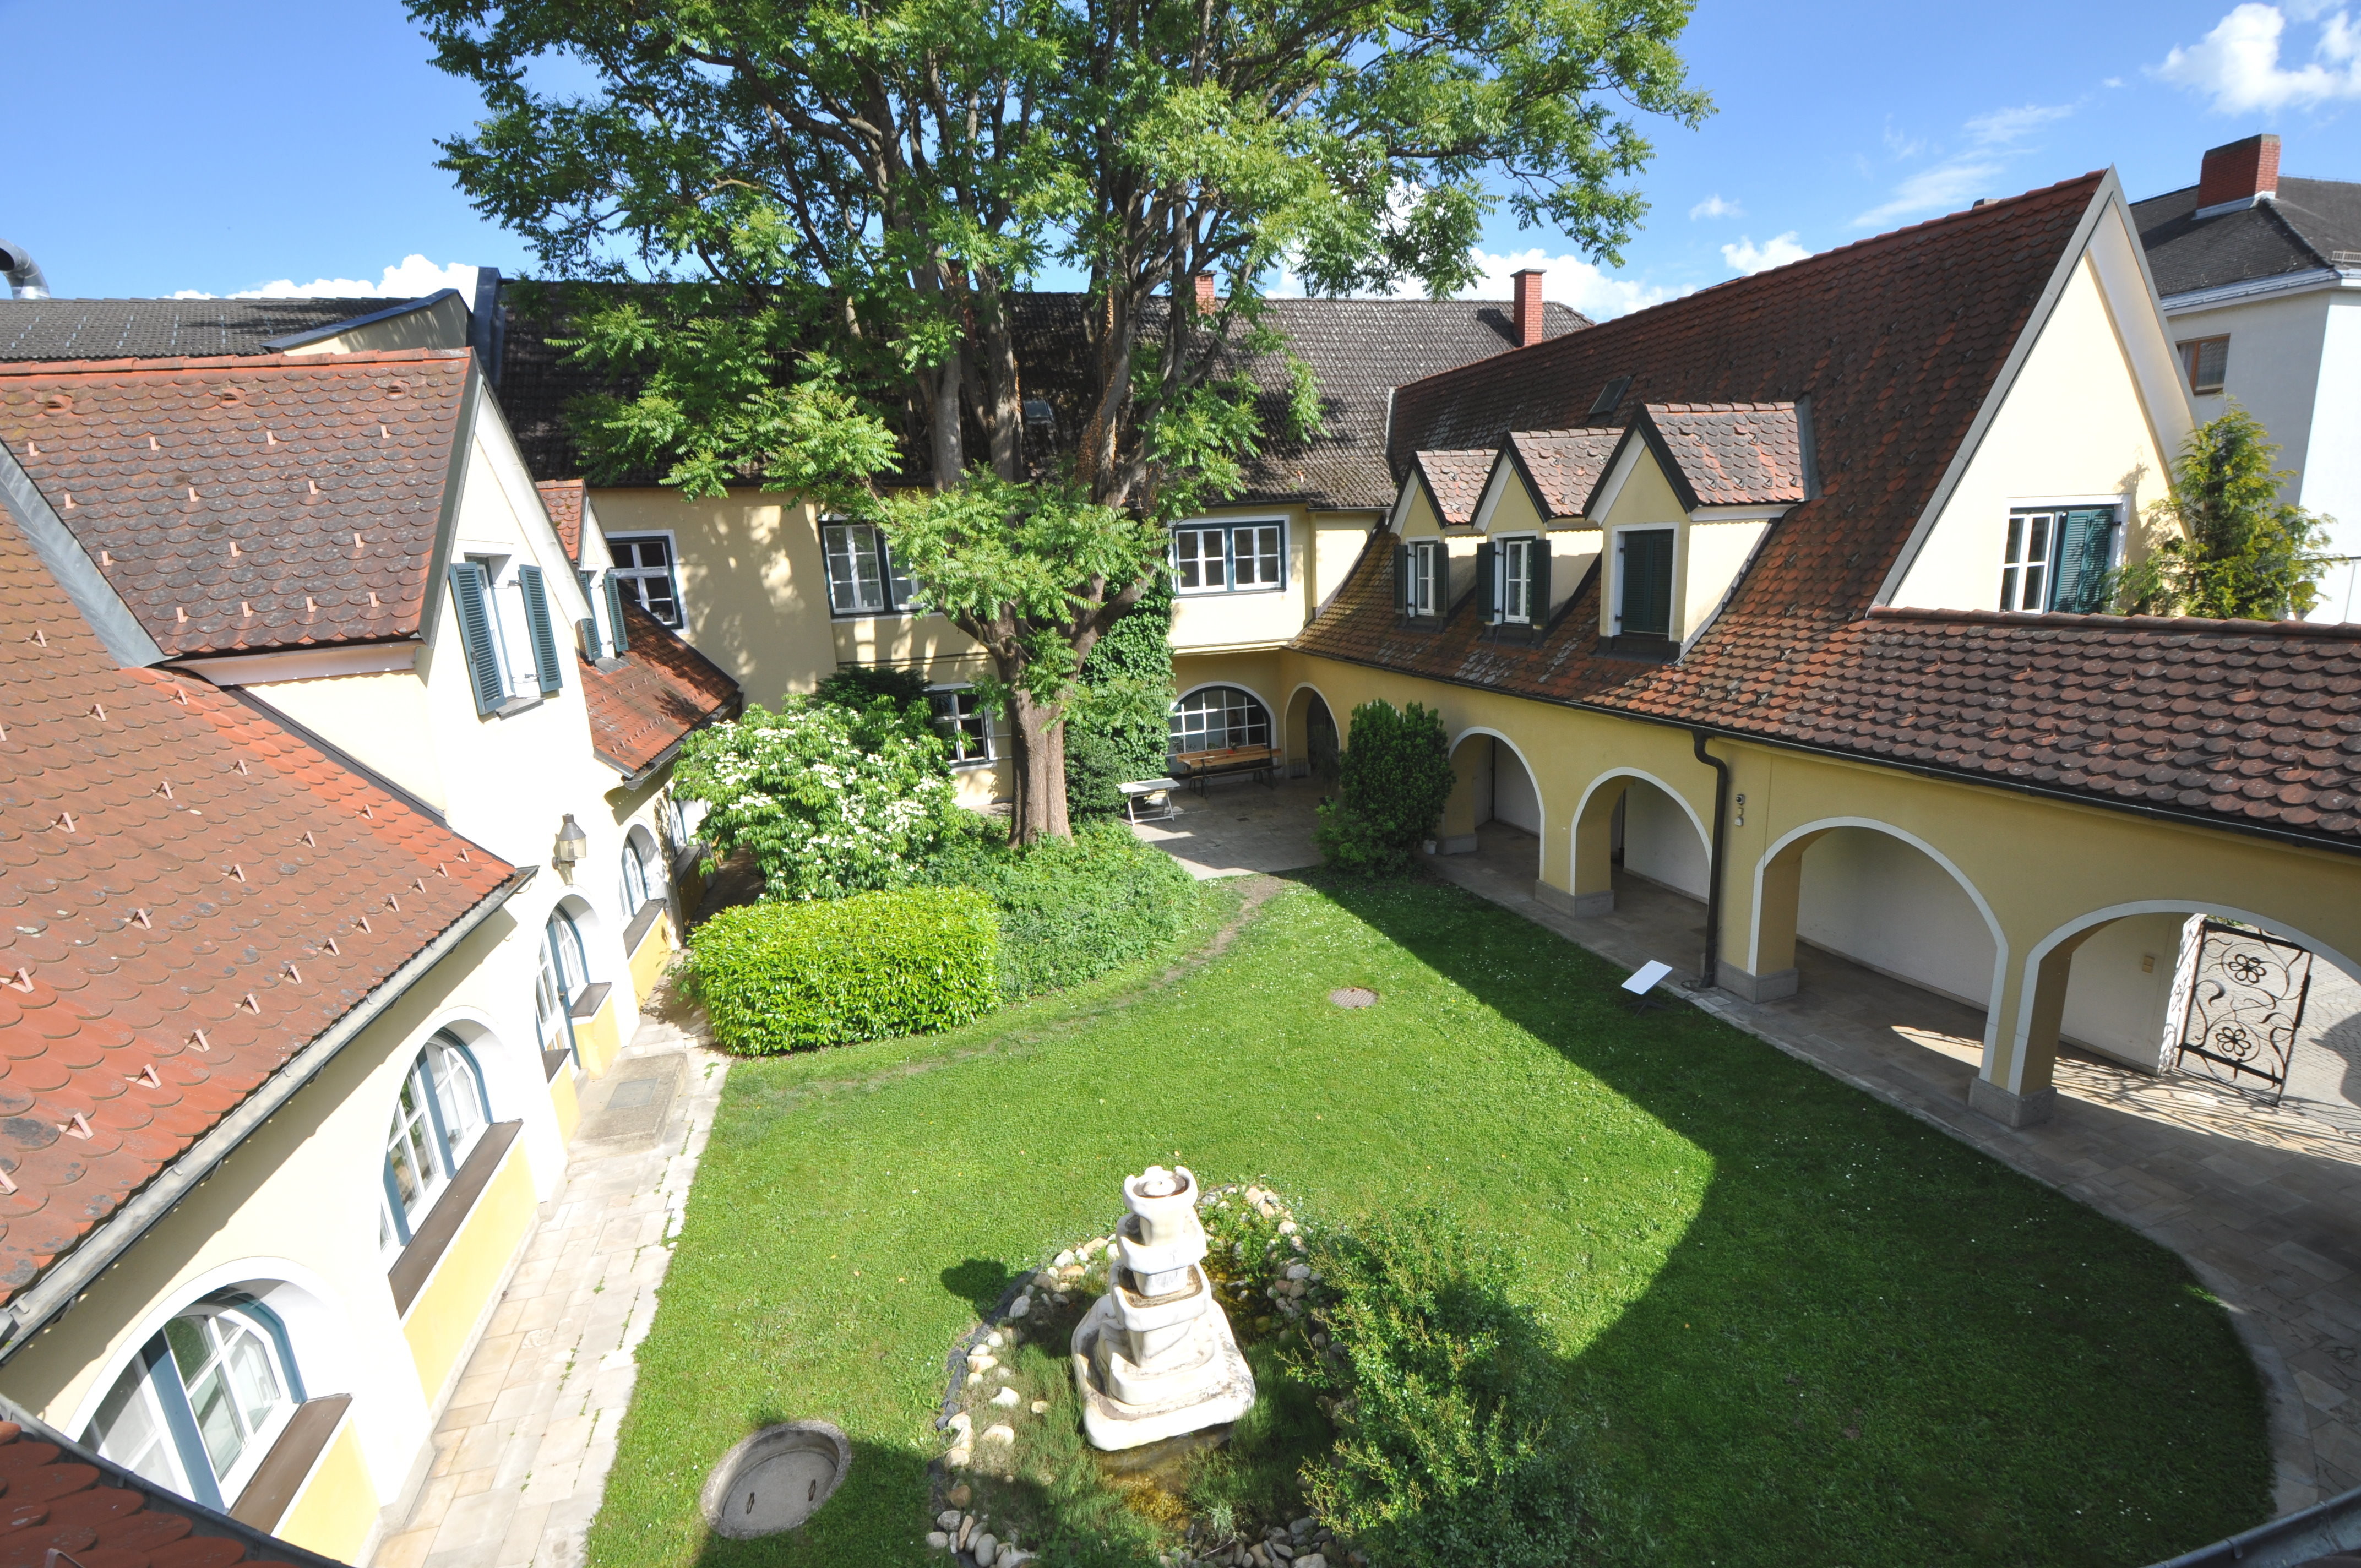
(791, 976)
(1393, 780)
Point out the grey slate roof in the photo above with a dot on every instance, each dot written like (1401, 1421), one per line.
(2301, 232)
(163, 329)
(1358, 350)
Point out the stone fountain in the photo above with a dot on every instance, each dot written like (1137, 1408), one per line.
(1154, 1357)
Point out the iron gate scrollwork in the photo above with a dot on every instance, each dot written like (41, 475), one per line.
(2245, 1008)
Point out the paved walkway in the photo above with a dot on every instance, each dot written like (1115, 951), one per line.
(2264, 1203)
(1238, 828)
(522, 1453)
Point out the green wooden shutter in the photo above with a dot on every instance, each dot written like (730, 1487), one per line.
(1484, 583)
(544, 634)
(1647, 603)
(1401, 579)
(470, 594)
(2086, 548)
(1537, 602)
(615, 613)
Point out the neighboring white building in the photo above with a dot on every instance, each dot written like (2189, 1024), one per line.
(2261, 282)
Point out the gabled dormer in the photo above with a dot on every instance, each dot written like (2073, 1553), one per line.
(1434, 518)
(1688, 494)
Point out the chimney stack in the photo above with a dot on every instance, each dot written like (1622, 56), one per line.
(2235, 177)
(1527, 315)
(1206, 299)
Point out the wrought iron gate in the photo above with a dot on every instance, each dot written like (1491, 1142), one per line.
(2245, 1008)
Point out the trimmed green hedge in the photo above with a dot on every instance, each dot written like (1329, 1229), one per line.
(1070, 909)
(783, 977)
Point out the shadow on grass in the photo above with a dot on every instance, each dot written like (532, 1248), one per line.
(1872, 1342)
(980, 1282)
(879, 1486)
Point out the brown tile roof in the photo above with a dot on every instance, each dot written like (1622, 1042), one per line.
(63, 1498)
(1730, 455)
(1897, 342)
(223, 497)
(645, 702)
(1455, 480)
(1565, 465)
(173, 870)
(563, 498)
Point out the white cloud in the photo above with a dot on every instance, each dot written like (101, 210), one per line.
(1777, 251)
(2237, 65)
(1567, 279)
(1713, 206)
(413, 277)
(1991, 139)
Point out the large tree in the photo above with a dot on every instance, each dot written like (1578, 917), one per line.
(2223, 544)
(838, 204)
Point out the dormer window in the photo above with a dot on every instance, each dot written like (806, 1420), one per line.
(1524, 584)
(2058, 558)
(1420, 573)
(1643, 582)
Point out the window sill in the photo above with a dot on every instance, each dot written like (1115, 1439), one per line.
(1516, 631)
(1654, 648)
(970, 764)
(1229, 593)
(430, 1241)
(553, 1063)
(640, 923)
(513, 707)
(593, 997)
(267, 1495)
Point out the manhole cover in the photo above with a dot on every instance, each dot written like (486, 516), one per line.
(1353, 996)
(775, 1479)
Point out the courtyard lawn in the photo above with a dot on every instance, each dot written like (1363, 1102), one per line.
(1808, 1329)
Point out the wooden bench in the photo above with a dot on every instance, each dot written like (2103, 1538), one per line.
(1199, 767)
(1150, 800)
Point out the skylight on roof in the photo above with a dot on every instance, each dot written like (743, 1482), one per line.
(1609, 395)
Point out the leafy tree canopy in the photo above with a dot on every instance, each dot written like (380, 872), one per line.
(835, 206)
(2223, 544)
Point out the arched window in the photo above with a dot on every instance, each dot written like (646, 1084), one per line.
(642, 877)
(441, 1112)
(1212, 718)
(203, 1401)
(565, 971)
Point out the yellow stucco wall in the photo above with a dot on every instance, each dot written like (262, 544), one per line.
(333, 1513)
(652, 954)
(382, 720)
(443, 324)
(597, 1038)
(444, 1317)
(566, 1101)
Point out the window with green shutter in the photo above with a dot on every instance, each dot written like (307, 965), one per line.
(543, 630)
(1644, 606)
(471, 596)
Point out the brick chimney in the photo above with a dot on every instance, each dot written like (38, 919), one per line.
(1527, 314)
(2238, 176)
(1206, 299)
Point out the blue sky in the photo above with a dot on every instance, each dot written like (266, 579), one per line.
(158, 146)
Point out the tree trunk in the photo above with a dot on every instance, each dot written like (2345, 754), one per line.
(1039, 765)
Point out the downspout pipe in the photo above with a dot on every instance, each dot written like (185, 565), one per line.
(1709, 971)
(24, 273)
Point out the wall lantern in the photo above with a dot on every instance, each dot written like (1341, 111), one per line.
(571, 842)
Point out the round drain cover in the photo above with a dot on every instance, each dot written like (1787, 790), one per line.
(1353, 996)
(775, 1479)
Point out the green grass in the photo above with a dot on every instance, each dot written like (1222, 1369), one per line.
(1808, 1329)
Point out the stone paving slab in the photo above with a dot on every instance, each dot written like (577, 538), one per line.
(522, 1454)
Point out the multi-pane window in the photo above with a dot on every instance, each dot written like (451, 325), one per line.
(2205, 361)
(2058, 558)
(511, 651)
(643, 572)
(1213, 719)
(1227, 557)
(202, 1402)
(438, 1115)
(641, 879)
(862, 577)
(1520, 574)
(1424, 577)
(564, 969)
(1644, 571)
(965, 724)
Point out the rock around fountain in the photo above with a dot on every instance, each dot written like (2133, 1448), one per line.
(1154, 1357)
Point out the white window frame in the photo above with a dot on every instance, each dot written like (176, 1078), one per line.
(639, 884)
(1518, 548)
(155, 1382)
(895, 587)
(1226, 530)
(503, 651)
(2057, 507)
(2190, 351)
(1673, 588)
(1429, 574)
(629, 577)
(954, 723)
(1176, 735)
(441, 1128)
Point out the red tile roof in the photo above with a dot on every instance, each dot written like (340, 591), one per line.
(242, 504)
(1455, 481)
(1565, 465)
(1897, 342)
(645, 702)
(1731, 454)
(174, 870)
(564, 499)
(62, 1497)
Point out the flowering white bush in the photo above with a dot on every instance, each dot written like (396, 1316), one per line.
(828, 800)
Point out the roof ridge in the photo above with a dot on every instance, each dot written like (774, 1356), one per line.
(29, 368)
(2345, 631)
